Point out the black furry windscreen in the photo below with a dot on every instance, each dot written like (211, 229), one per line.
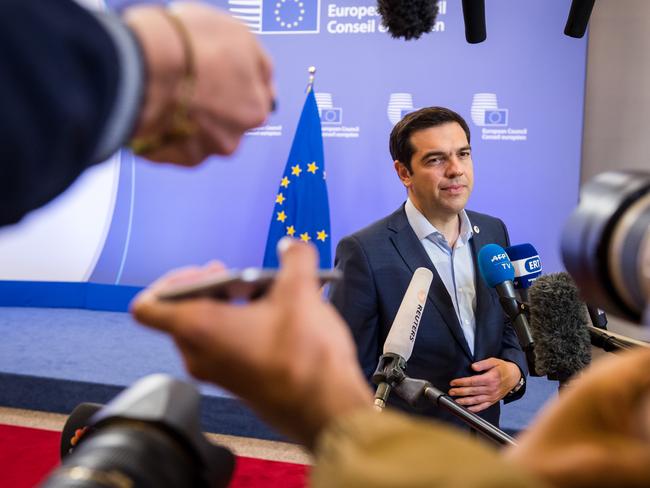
(408, 18)
(558, 322)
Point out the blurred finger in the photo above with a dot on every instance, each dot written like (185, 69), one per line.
(185, 152)
(297, 276)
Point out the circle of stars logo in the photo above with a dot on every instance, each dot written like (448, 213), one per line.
(281, 199)
(289, 13)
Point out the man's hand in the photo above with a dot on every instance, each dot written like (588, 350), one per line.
(289, 355)
(597, 433)
(232, 92)
(479, 392)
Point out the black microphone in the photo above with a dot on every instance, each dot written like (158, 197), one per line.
(558, 320)
(474, 16)
(598, 317)
(401, 337)
(408, 18)
(576, 23)
(498, 273)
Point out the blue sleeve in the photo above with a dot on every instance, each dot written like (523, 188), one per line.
(63, 93)
(355, 297)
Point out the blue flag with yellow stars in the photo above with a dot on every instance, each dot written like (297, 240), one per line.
(301, 206)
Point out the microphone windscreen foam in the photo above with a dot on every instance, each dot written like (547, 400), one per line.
(408, 18)
(558, 322)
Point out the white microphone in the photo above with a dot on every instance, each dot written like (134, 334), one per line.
(401, 337)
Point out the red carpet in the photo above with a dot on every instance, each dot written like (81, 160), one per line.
(27, 455)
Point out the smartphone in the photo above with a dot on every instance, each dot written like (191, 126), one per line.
(247, 284)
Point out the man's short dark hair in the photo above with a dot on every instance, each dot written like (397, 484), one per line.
(400, 137)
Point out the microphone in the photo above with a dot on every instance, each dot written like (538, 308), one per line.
(474, 16)
(527, 265)
(498, 273)
(408, 18)
(401, 337)
(576, 23)
(598, 317)
(558, 320)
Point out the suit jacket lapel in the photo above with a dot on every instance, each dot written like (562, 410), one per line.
(483, 298)
(410, 249)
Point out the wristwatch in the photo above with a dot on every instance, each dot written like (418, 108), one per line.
(520, 384)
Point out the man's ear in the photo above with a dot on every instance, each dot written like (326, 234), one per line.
(403, 173)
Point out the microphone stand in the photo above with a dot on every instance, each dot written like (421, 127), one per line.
(412, 390)
(610, 342)
(390, 375)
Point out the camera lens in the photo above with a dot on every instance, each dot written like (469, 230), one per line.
(606, 243)
(134, 454)
(149, 436)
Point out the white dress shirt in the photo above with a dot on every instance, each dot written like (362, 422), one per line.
(454, 265)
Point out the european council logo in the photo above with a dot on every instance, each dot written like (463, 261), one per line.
(486, 111)
(278, 16)
(329, 114)
(399, 104)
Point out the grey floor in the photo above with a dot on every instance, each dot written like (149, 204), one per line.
(109, 348)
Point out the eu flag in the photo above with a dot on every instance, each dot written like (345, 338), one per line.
(301, 206)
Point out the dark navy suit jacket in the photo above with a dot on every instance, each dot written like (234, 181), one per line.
(378, 263)
(58, 82)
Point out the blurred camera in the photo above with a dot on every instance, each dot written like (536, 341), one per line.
(331, 116)
(148, 436)
(606, 243)
(497, 117)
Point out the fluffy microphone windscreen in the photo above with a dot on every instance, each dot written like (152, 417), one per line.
(558, 322)
(408, 18)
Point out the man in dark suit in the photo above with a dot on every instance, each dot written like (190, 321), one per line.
(464, 343)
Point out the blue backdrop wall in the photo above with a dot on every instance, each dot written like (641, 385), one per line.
(522, 92)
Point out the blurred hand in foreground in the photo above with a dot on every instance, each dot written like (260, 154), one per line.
(230, 91)
(597, 433)
(288, 355)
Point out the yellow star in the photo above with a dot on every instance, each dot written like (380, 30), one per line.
(304, 237)
(284, 182)
(295, 170)
(282, 216)
(291, 230)
(280, 198)
(311, 168)
(321, 235)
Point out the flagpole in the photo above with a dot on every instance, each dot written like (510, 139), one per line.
(312, 74)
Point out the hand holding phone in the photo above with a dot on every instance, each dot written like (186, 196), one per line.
(248, 284)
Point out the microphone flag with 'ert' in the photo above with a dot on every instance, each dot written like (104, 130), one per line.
(558, 319)
(301, 206)
(527, 266)
(498, 272)
(401, 337)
